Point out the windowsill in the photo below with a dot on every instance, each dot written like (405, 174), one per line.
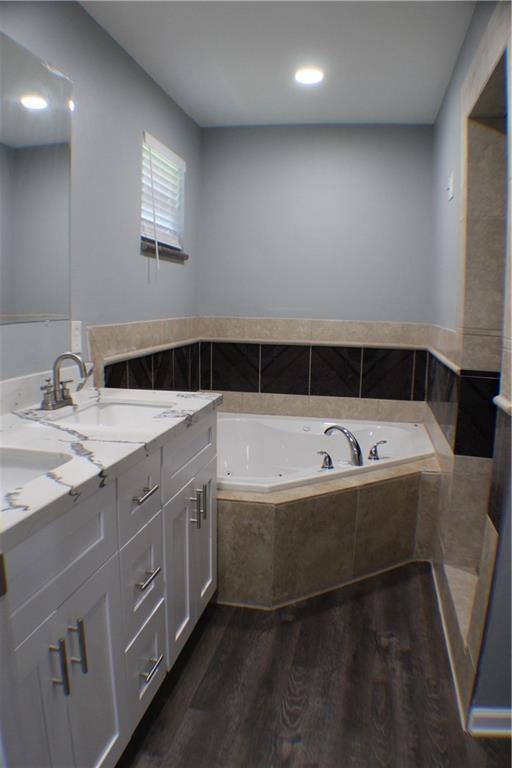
(165, 253)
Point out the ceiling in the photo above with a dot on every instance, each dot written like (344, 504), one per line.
(232, 63)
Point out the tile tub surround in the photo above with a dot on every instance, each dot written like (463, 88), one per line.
(461, 401)
(462, 404)
(279, 548)
(96, 454)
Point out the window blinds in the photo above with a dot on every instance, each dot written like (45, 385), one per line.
(163, 178)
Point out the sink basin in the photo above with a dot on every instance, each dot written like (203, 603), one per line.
(120, 415)
(19, 466)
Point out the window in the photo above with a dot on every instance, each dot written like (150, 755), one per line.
(163, 179)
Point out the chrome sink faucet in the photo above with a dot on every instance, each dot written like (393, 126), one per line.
(56, 392)
(355, 448)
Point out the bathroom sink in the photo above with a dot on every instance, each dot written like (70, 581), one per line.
(120, 415)
(19, 466)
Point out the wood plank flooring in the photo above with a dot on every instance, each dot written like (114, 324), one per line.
(357, 678)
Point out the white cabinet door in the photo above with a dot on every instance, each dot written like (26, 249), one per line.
(91, 620)
(204, 541)
(179, 516)
(42, 668)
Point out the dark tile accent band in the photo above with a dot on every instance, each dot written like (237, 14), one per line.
(500, 486)
(235, 367)
(335, 371)
(387, 373)
(285, 369)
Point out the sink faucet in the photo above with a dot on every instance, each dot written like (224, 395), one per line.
(56, 393)
(355, 448)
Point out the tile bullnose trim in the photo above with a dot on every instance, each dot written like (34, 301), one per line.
(503, 403)
(490, 721)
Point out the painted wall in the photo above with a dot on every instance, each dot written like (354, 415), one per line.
(7, 263)
(320, 222)
(40, 225)
(115, 101)
(447, 159)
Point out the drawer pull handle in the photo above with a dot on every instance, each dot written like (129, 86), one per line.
(151, 576)
(148, 676)
(63, 661)
(82, 646)
(205, 500)
(198, 501)
(146, 493)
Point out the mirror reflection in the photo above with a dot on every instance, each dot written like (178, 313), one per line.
(36, 103)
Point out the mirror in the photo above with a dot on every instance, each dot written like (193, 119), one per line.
(36, 103)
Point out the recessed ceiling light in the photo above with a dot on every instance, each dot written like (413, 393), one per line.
(71, 105)
(33, 101)
(309, 75)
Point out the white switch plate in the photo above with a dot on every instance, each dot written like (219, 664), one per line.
(450, 187)
(76, 336)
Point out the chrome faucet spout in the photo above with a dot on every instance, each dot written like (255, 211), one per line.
(57, 394)
(355, 449)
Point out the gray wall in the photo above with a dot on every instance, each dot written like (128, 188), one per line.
(115, 101)
(7, 263)
(447, 158)
(321, 222)
(40, 226)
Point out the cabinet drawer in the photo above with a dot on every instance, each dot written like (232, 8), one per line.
(145, 663)
(48, 566)
(187, 454)
(142, 577)
(138, 496)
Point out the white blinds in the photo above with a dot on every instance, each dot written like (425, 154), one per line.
(163, 178)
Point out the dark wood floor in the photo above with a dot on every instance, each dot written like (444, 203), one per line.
(356, 678)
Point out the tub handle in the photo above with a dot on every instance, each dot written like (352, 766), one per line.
(374, 451)
(326, 461)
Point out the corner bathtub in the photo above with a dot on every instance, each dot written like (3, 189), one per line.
(270, 453)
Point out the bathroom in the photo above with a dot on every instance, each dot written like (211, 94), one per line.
(267, 522)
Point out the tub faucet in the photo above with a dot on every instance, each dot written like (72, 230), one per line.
(355, 448)
(56, 393)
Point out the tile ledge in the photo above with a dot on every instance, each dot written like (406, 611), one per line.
(503, 403)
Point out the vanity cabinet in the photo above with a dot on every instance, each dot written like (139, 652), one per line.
(103, 598)
(69, 670)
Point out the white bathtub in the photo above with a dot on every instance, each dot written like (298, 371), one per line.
(269, 453)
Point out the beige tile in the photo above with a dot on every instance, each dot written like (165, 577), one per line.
(314, 545)
(428, 513)
(483, 591)
(245, 553)
(485, 272)
(282, 405)
(278, 329)
(487, 171)
(232, 402)
(462, 585)
(344, 408)
(386, 524)
(402, 410)
(481, 352)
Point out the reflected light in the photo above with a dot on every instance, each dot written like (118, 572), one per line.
(33, 101)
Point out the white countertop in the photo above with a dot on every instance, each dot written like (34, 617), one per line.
(97, 454)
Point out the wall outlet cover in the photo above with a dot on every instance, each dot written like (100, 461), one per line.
(76, 336)
(450, 189)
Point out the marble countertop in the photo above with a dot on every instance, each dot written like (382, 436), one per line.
(93, 454)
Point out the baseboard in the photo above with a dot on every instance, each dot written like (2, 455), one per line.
(490, 721)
